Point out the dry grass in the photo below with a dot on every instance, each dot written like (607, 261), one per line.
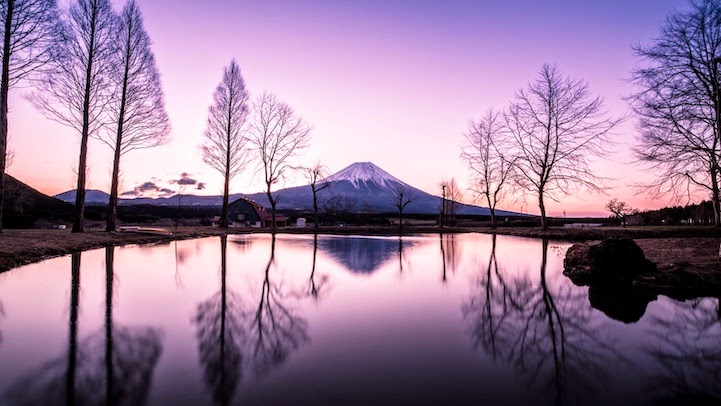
(19, 247)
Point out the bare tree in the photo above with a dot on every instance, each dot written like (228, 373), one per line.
(454, 197)
(556, 127)
(77, 90)
(678, 104)
(315, 175)
(29, 31)
(277, 134)
(442, 217)
(450, 197)
(339, 204)
(224, 147)
(620, 210)
(402, 198)
(139, 105)
(485, 153)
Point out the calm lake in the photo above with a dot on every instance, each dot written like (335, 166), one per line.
(298, 320)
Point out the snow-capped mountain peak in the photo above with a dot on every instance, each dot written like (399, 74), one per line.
(364, 172)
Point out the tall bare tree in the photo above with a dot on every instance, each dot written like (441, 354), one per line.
(139, 105)
(491, 164)
(30, 30)
(277, 135)
(678, 104)
(557, 127)
(224, 147)
(315, 175)
(77, 91)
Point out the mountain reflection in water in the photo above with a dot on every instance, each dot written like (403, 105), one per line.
(365, 255)
(317, 319)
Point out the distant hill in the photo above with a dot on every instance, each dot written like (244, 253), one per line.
(24, 206)
(366, 185)
(92, 197)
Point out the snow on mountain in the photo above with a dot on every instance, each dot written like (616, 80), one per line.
(364, 173)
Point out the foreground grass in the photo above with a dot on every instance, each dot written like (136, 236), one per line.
(20, 247)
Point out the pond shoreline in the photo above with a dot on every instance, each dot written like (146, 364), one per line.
(22, 247)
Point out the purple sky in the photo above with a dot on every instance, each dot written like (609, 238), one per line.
(390, 82)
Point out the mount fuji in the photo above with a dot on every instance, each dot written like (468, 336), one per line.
(367, 186)
(372, 189)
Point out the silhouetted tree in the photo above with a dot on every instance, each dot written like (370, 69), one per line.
(450, 196)
(315, 175)
(556, 127)
(678, 103)
(402, 197)
(277, 135)
(224, 147)
(77, 90)
(487, 154)
(339, 205)
(138, 107)
(619, 209)
(30, 30)
(221, 337)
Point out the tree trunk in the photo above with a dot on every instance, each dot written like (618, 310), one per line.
(272, 209)
(315, 206)
(226, 190)
(492, 209)
(400, 218)
(4, 90)
(80, 191)
(79, 217)
(224, 210)
(113, 202)
(542, 206)
(715, 197)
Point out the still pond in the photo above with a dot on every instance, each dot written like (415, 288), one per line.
(303, 320)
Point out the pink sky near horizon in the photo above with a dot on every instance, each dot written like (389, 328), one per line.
(390, 82)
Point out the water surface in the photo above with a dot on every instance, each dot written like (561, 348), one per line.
(452, 319)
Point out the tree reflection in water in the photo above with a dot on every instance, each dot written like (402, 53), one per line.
(234, 338)
(688, 353)
(119, 359)
(277, 330)
(2, 314)
(221, 335)
(449, 254)
(547, 336)
(316, 288)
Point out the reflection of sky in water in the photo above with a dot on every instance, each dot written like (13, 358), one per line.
(442, 320)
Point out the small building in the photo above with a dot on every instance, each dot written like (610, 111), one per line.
(247, 213)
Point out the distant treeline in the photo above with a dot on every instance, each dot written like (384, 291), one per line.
(701, 213)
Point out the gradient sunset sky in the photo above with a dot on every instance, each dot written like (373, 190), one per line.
(391, 82)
